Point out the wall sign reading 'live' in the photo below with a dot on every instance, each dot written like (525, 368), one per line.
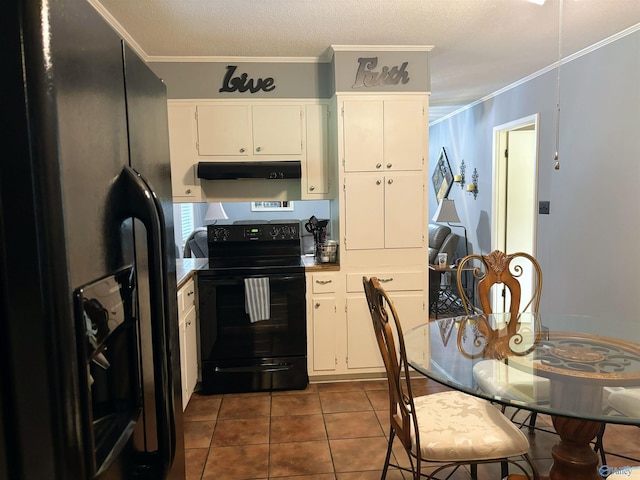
(243, 83)
(367, 77)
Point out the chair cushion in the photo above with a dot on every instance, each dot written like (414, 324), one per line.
(498, 379)
(626, 401)
(455, 426)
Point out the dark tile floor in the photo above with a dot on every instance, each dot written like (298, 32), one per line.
(330, 431)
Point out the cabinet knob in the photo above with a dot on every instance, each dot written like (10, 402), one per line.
(189, 293)
(389, 165)
(378, 165)
(242, 150)
(385, 280)
(258, 149)
(323, 282)
(317, 305)
(390, 181)
(378, 182)
(312, 188)
(187, 191)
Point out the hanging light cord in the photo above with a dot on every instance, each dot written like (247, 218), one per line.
(556, 157)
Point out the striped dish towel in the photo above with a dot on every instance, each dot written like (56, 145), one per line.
(257, 298)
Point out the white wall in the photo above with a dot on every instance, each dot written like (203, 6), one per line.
(587, 246)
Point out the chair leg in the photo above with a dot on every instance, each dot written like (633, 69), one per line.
(532, 422)
(504, 469)
(392, 436)
(599, 447)
(474, 471)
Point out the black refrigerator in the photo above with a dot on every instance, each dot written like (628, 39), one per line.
(89, 351)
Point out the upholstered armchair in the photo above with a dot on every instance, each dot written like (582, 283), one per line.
(441, 240)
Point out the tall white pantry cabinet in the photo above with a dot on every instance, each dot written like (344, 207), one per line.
(382, 151)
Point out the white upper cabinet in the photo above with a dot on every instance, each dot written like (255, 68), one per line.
(224, 130)
(383, 210)
(277, 129)
(383, 135)
(248, 131)
(403, 210)
(317, 132)
(363, 135)
(403, 134)
(185, 186)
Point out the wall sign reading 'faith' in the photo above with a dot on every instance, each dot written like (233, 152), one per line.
(244, 83)
(367, 77)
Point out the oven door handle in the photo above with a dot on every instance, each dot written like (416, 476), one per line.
(270, 367)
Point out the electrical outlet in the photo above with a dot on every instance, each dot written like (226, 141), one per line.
(543, 207)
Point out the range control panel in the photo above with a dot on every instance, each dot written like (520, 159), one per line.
(263, 232)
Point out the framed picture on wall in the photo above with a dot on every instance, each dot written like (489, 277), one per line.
(442, 177)
(284, 206)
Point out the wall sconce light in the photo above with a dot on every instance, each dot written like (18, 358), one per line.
(473, 187)
(460, 177)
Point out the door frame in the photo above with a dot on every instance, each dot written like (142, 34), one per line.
(499, 187)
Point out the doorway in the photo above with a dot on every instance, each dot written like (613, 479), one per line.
(515, 196)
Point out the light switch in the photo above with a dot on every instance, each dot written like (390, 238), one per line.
(543, 207)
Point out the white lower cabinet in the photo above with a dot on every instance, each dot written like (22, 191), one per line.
(187, 316)
(405, 288)
(362, 346)
(322, 323)
(340, 334)
(324, 333)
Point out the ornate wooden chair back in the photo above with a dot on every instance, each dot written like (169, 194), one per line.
(390, 339)
(501, 268)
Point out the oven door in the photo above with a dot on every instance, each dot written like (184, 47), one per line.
(240, 355)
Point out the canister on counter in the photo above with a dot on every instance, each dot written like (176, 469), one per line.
(327, 252)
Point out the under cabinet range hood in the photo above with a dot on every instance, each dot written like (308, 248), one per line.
(236, 170)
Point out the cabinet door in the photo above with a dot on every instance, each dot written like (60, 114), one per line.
(191, 352)
(224, 130)
(277, 129)
(404, 130)
(411, 309)
(364, 211)
(317, 128)
(362, 346)
(403, 210)
(324, 333)
(182, 151)
(363, 135)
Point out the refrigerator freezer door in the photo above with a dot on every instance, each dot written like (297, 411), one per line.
(75, 124)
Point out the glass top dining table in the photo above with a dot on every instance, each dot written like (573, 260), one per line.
(563, 365)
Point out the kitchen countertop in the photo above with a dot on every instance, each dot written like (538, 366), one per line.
(310, 265)
(185, 267)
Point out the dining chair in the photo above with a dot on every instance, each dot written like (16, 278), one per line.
(626, 401)
(442, 430)
(509, 271)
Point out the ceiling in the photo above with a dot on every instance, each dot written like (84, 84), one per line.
(480, 46)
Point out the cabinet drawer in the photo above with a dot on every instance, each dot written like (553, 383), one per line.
(186, 297)
(390, 281)
(323, 283)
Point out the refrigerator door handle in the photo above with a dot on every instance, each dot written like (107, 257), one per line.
(133, 197)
